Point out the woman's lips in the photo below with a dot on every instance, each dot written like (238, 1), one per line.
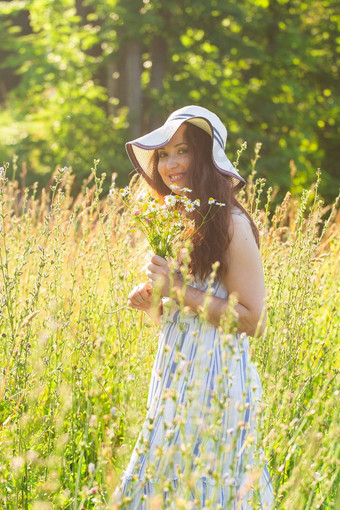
(176, 177)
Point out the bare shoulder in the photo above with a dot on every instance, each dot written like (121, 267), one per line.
(240, 227)
(243, 252)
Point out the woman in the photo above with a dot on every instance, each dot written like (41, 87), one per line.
(199, 441)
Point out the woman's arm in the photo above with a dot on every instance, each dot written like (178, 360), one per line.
(244, 280)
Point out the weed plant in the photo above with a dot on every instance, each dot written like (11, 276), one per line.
(76, 362)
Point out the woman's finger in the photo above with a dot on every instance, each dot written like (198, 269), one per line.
(152, 277)
(158, 260)
(161, 270)
(135, 302)
(152, 267)
(140, 294)
(155, 275)
(145, 294)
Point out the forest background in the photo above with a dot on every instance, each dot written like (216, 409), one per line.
(81, 77)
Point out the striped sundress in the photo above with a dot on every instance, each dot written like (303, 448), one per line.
(198, 447)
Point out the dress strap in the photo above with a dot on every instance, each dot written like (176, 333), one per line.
(240, 213)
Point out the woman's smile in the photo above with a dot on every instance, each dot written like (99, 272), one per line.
(176, 178)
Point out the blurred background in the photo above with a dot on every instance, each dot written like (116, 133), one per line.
(81, 77)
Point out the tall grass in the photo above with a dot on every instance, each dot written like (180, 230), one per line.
(75, 363)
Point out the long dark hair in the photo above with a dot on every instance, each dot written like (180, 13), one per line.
(210, 242)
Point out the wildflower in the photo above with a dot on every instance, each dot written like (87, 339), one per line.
(189, 207)
(136, 212)
(164, 213)
(153, 206)
(141, 197)
(186, 190)
(124, 191)
(111, 192)
(2, 173)
(91, 467)
(220, 204)
(211, 201)
(197, 202)
(170, 200)
(185, 200)
(192, 223)
(174, 186)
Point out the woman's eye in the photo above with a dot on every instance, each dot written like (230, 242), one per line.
(161, 155)
(182, 151)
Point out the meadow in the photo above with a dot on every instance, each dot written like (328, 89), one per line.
(76, 362)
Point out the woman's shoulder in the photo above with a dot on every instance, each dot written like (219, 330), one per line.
(239, 217)
(241, 226)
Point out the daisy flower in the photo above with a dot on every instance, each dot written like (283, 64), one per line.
(170, 200)
(152, 206)
(111, 192)
(189, 207)
(220, 204)
(211, 201)
(186, 190)
(124, 191)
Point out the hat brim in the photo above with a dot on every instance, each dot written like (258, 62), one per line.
(141, 150)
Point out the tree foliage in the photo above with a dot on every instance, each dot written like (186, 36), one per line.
(87, 75)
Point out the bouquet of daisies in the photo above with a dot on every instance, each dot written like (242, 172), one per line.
(162, 223)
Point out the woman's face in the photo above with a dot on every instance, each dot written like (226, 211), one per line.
(175, 160)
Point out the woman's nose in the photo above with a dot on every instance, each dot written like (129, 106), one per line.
(172, 161)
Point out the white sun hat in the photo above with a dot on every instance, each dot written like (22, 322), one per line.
(141, 150)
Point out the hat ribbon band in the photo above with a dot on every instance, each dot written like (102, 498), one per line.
(217, 135)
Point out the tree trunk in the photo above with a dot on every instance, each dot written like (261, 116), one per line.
(9, 78)
(159, 56)
(133, 86)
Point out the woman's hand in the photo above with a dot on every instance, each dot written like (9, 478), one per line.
(140, 297)
(161, 276)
